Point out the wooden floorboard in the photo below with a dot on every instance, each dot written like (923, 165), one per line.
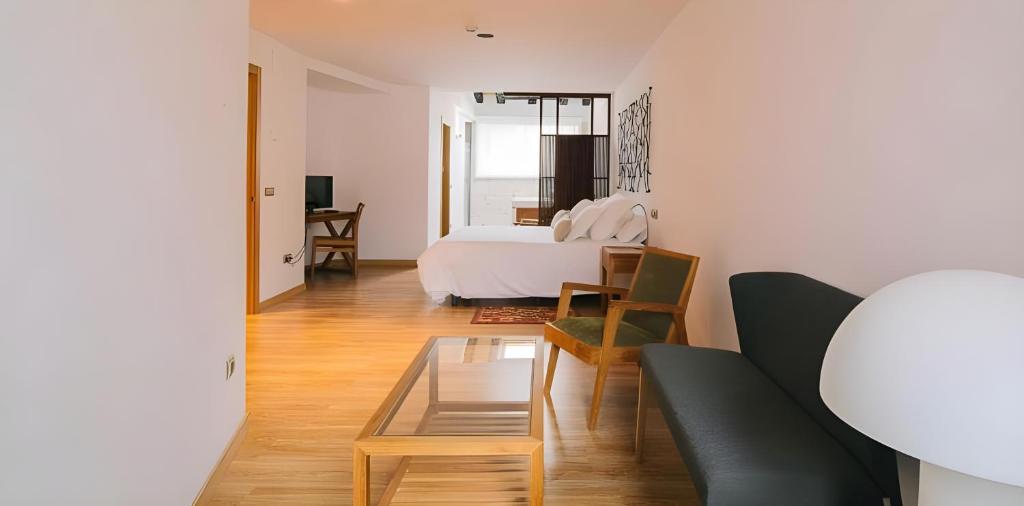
(317, 366)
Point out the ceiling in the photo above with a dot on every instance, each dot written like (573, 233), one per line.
(331, 83)
(538, 45)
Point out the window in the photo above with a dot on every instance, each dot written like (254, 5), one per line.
(507, 147)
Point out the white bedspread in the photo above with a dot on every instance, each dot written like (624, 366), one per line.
(484, 262)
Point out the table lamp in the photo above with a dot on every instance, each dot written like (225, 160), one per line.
(933, 367)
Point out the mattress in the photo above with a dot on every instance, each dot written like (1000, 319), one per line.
(502, 262)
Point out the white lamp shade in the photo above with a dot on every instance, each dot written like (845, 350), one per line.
(933, 366)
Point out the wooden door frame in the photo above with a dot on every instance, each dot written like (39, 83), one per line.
(446, 177)
(252, 196)
(468, 133)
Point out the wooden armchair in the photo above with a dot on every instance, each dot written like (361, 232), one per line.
(652, 311)
(346, 243)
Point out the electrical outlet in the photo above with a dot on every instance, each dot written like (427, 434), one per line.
(288, 258)
(229, 367)
(268, 191)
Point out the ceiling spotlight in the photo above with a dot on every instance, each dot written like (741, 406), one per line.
(500, 97)
(532, 101)
(485, 35)
(586, 102)
(563, 101)
(478, 96)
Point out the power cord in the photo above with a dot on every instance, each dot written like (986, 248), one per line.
(298, 255)
(647, 223)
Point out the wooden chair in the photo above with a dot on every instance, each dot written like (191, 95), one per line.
(652, 311)
(346, 243)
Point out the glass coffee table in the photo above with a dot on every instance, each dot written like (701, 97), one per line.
(466, 420)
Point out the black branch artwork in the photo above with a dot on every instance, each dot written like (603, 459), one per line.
(635, 145)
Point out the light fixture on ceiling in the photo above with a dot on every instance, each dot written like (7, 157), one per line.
(478, 96)
(500, 97)
(482, 35)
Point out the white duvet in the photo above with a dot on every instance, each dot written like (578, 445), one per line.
(485, 262)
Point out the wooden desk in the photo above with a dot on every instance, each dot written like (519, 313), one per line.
(617, 260)
(328, 218)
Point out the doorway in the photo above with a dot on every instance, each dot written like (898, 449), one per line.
(446, 187)
(252, 202)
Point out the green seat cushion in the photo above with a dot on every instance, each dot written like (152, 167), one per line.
(590, 330)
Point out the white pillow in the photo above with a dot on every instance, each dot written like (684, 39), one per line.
(562, 227)
(614, 214)
(579, 207)
(633, 229)
(581, 224)
(616, 196)
(558, 216)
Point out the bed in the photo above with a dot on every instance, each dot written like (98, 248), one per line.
(500, 262)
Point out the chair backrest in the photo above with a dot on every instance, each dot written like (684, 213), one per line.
(785, 322)
(665, 277)
(355, 222)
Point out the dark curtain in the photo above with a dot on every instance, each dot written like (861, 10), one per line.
(574, 170)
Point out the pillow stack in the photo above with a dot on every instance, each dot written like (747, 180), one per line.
(609, 217)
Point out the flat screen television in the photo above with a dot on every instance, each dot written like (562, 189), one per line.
(319, 192)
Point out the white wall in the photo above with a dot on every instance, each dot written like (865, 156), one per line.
(123, 272)
(282, 161)
(855, 142)
(492, 199)
(375, 146)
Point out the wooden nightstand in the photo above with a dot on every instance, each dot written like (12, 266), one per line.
(617, 260)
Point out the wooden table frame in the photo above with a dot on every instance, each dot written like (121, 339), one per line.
(328, 220)
(371, 443)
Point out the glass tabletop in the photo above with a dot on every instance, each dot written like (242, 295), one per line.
(467, 386)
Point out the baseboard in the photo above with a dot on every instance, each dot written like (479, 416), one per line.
(387, 263)
(222, 465)
(281, 297)
(373, 262)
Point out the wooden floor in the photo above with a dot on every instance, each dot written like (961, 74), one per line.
(318, 365)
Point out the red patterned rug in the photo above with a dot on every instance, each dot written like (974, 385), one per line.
(513, 314)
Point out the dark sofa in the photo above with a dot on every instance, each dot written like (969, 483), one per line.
(751, 426)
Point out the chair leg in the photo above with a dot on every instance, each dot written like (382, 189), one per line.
(355, 262)
(595, 403)
(641, 416)
(552, 360)
(312, 265)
